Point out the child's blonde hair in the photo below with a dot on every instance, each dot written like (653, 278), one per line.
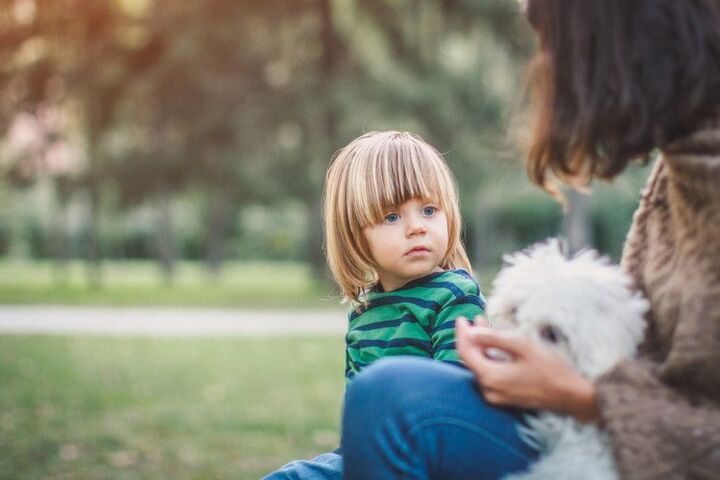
(374, 173)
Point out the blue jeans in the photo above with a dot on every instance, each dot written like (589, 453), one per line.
(415, 418)
(327, 466)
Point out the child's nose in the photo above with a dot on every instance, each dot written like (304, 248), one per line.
(416, 227)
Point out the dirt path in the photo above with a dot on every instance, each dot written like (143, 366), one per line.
(62, 320)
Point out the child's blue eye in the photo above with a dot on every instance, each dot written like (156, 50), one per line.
(429, 211)
(392, 217)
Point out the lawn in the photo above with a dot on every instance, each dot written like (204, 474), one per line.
(138, 283)
(93, 407)
(183, 408)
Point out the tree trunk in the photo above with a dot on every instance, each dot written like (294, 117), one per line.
(219, 210)
(577, 228)
(93, 250)
(166, 242)
(485, 236)
(316, 256)
(59, 241)
(328, 66)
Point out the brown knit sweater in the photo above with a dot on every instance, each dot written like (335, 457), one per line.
(662, 411)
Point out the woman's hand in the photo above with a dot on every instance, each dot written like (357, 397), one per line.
(535, 378)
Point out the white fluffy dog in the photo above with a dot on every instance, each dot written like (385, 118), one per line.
(586, 311)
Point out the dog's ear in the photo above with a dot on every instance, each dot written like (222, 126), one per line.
(510, 259)
(507, 260)
(540, 248)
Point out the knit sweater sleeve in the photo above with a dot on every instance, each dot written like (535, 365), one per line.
(662, 411)
(656, 432)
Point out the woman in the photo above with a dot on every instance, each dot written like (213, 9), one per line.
(612, 81)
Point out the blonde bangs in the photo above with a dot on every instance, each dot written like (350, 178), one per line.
(391, 168)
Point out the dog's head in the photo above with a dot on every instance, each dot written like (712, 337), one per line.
(583, 308)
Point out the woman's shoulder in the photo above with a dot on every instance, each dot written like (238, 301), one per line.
(698, 153)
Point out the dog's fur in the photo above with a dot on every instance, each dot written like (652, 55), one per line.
(584, 309)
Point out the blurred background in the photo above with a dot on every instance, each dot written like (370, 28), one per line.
(169, 154)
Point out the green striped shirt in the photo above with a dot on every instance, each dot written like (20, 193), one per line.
(417, 319)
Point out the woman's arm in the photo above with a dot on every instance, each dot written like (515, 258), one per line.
(535, 378)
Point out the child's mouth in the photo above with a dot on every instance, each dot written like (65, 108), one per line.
(417, 250)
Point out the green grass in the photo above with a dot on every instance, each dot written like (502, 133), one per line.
(88, 408)
(138, 283)
(242, 284)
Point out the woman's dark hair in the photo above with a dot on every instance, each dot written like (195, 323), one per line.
(614, 79)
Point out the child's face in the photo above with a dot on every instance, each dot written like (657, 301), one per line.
(410, 242)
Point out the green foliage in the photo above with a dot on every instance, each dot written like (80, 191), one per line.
(272, 233)
(611, 219)
(612, 208)
(203, 114)
(38, 239)
(86, 408)
(259, 232)
(528, 218)
(5, 239)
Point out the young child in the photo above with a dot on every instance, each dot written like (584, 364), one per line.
(392, 236)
